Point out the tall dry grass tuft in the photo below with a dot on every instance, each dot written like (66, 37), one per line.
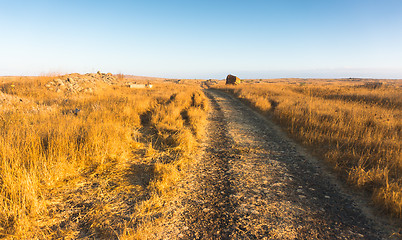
(352, 125)
(51, 155)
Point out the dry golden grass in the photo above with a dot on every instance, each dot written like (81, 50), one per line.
(355, 125)
(106, 171)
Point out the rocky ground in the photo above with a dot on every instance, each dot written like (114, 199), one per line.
(74, 83)
(252, 182)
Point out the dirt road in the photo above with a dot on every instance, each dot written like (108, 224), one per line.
(252, 182)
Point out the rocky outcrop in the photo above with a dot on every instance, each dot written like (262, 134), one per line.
(231, 79)
(75, 82)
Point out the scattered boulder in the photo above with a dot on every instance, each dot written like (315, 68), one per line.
(231, 79)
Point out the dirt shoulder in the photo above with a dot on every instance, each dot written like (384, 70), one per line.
(252, 182)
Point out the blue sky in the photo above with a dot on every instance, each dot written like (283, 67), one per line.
(202, 38)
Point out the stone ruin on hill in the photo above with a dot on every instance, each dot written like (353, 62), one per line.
(75, 82)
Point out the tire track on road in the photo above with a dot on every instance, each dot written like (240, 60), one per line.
(210, 212)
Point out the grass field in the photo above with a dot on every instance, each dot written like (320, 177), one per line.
(104, 163)
(64, 173)
(354, 125)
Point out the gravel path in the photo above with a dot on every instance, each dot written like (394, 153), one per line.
(251, 182)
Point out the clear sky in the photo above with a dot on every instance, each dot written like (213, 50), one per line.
(203, 38)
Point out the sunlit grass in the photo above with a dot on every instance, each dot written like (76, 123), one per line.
(45, 144)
